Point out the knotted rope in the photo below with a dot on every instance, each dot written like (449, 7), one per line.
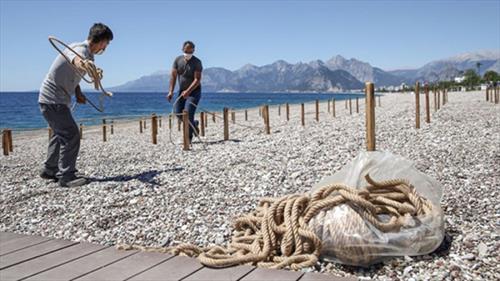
(277, 234)
(95, 74)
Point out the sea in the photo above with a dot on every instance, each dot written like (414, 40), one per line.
(20, 110)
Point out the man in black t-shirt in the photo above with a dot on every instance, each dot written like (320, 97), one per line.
(188, 69)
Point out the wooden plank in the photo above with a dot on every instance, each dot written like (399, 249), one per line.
(272, 274)
(7, 236)
(43, 263)
(173, 269)
(20, 243)
(312, 276)
(220, 274)
(127, 267)
(29, 253)
(84, 265)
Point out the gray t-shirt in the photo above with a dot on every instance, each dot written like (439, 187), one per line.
(185, 71)
(61, 80)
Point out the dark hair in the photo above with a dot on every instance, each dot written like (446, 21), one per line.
(99, 32)
(190, 43)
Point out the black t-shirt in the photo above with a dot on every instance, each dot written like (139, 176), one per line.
(185, 71)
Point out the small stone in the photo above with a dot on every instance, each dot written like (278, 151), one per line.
(407, 270)
(468, 257)
(482, 249)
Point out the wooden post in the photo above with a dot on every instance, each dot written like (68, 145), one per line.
(111, 127)
(427, 110)
(154, 129)
(497, 95)
(357, 105)
(140, 126)
(346, 104)
(145, 124)
(370, 116)
(443, 98)
(202, 125)
(279, 109)
(438, 99)
(266, 119)
(246, 115)
(206, 119)
(11, 143)
(178, 122)
(170, 121)
(317, 110)
(379, 101)
(233, 116)
(287, 112)
(104, 130)
(159, 120)
(226, 124)
(417, 105)
(302, 117)
(81, 131)
(350, 106)
(487, 93)
(328, 105)
(333, 107)
(213, 117)
(185, 123)
(435, 100)
(5, 142)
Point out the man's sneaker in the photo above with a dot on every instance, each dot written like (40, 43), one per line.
(47, 176)
(74, 182)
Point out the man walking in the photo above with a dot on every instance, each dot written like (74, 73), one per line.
(188, 69)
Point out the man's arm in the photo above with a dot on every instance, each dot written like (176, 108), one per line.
(80, 97)
(173, 78)
(194, 85)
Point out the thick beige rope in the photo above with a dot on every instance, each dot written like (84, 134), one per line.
(277, 234)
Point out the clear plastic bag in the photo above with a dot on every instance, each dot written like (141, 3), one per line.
(348, 239)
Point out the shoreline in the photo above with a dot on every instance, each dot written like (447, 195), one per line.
(129, 118)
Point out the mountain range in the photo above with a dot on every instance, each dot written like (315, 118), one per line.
(334, 75)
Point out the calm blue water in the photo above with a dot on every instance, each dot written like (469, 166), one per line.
(20, 110)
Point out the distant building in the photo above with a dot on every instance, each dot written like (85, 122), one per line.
(459, 79)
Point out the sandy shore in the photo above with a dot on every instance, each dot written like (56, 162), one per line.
(154, 194)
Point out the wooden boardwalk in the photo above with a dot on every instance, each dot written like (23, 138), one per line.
(24, 257)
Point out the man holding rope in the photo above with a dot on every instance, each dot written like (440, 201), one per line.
(188, 68)
(62, 82)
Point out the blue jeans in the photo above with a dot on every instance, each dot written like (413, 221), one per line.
(189, 105)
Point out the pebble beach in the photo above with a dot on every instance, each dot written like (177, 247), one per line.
(157, 195)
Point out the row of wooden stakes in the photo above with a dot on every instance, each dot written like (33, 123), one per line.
(493, 94)
(156, 121)
(440, 98)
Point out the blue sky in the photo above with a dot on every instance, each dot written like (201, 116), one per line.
(149, 34)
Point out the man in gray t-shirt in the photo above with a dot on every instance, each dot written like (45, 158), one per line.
(188, 69)
(60, 84)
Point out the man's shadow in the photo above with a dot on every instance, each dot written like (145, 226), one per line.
(145, 177)
(218, 141)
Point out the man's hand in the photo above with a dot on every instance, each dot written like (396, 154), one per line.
(185, 94)
(169, 96)
(80, 98)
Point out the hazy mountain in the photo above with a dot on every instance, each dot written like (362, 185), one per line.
(335, 74)
(276, 77)
(364, 71)
(451, 67)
